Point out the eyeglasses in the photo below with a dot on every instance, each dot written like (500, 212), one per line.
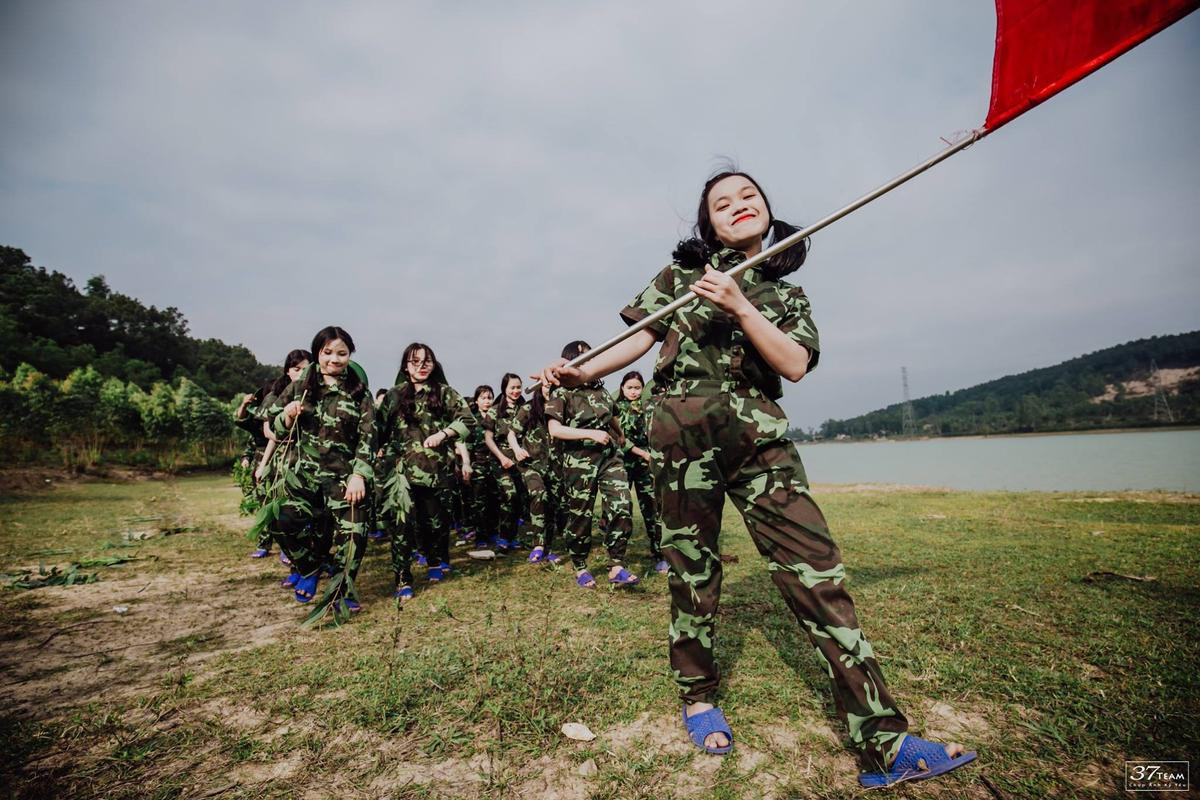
(427, 362)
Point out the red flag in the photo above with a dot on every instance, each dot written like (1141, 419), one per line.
(1043, 46)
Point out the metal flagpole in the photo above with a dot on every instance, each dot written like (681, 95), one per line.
(779, 247)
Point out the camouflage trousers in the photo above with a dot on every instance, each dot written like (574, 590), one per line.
(732, 444)
(426, 529)
(314, 520)
(456, 501)
(587, 472)
(543, 504)
(482, 498)
(641, 484)
(511, 489)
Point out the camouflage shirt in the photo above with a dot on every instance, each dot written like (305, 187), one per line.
(703, 343)
(534, 438)
(500, 423)
(633, 418)
(402, 441)
(474, 441)
(334, 430)
(585, 407)
(252, 423)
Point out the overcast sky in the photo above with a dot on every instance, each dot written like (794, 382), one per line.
(496, 179)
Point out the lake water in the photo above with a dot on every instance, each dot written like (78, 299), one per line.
(1056, 462)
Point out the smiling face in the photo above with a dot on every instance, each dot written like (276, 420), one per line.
(420, 365)
(632, 389)
(512, 390)
(334, 357)
(738, 213)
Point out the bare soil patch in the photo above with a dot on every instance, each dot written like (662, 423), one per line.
(130, 634)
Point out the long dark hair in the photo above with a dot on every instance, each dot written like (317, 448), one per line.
(577, 348)
(350, 380)
(695, 253)
(480, 389)
(293, 358)
(537, 408)
(408, 389)
(502, 405)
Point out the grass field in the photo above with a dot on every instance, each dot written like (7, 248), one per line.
(989, 620)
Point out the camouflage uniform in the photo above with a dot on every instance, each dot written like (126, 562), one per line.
(252, 424)
(633, 419)
(589, 469)
(330, 441)
(482, 494)
(508, 481)
(429, 472)
(536, 474)
(715, 431)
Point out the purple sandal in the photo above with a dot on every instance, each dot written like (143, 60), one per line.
(705, 723)
(917, 760)
(624, 578)
(585, 580)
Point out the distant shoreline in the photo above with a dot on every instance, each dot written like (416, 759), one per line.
(869, 440)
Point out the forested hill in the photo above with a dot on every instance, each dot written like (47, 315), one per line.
(48, 323)
(1111, 388)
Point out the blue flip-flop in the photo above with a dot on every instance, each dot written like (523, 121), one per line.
(306, 588)
(404, 592)
(624, 578)
(700, 726)
(662, 567)
(552, 558)
(421, 560)
(435, 574)
(918, 760)
(290, 581)
(260, 553)
(584, 578)
(537, 554)
(353, 606)
(283, 559)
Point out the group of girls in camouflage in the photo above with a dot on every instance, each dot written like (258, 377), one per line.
(420, 461)
(714, 431)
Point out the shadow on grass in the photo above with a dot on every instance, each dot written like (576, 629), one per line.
(755, 604)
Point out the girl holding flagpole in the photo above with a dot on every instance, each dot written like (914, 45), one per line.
(716, 431)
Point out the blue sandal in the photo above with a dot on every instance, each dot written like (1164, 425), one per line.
(917, 760)
(260, 553)
(624, 578)
(536, 554)
(290, 581)
(435, 575)
(306, 588)
(702, 725)
(403, 593)
(585, 580)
